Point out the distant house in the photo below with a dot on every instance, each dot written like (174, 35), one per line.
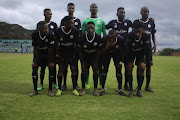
(175, 54)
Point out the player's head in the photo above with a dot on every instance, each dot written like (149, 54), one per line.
(112, 35)
(68, 22)
(70, 8)
(90, 27)
(93, 8)
(47, 14)
(43, 27)
(137, 28)
(145, 12)
(121, 13)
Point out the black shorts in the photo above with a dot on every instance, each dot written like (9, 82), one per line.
(42, 60)
(89, 59)
(67, 60)
(149, 61)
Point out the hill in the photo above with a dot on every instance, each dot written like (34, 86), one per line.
(14, 31)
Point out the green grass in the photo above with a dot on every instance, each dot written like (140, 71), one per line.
(16, 84)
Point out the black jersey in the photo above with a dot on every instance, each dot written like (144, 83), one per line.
(77, 23)
(120, 27)
(149, 26)
(52, 26)
(67, 41)
(43, 43)
(90, 46)
(137, 47)
(120, 43)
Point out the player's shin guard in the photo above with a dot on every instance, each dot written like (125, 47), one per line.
(95, 78)
(126, 78)
(51, 78)
(35, 79)
(130, 80)
(42, 77)
(54, 79)
(119, 79)
(59, 81)
(74, 81)
(140, 81)
(100, 75)
(65, 75)
(83, 80)
(104, 76)
(148, 78)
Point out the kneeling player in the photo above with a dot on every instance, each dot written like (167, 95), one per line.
(113, 47)
(138, 42)
(90, 44)
(43, 42)
(67, 37)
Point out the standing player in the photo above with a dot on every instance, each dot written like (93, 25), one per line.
(149, 28)
(52, 26)
(113, 47)
(67, 37)
(77, 24)
(121, 25)
(90, 44)
(99, 29)
(137, 45)
(43, 42)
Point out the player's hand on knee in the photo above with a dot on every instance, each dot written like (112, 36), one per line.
(34, 64)
(130, 66)
(51, 64)
(142, 66)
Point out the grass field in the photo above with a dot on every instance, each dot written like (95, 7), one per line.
(16, 84)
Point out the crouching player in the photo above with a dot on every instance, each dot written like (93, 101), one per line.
(90, 44)
(137, 44)
(66, 38)
(43, 42)
(113, 47)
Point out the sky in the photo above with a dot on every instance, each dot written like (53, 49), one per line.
(28, 13)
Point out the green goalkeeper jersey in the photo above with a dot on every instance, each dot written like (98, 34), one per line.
(99, 25)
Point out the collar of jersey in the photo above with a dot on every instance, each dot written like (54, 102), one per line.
(119, 21)
(144, 21)
(64, 31)
(75, 18)
(94, 18)
(91, 39)
(138, 39)
(41, 37)
(48, 22)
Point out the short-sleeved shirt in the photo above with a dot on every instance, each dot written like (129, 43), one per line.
(90, 46)
(119, 46)
(67, 40)
(99, 25)
(137, 47)
(42, 43)
(121, 28)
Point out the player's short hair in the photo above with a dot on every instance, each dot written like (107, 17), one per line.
(120, 8)
(67, 19)
(112, 32)
(93, 4)
(90, 23)
(137, 24)
(40, 24)
(47, 9)
(70, 4)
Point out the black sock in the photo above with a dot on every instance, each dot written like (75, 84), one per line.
(130, 80)
(140, 81)
(65, 76)
(51, 78)
(95, 78)
(119, 79)
(74, 81)
(104, 76)
(42, 77)
(54, 79)
(83, 80)
(59, 81)
(35, 79)
(126, 78)
(148, 78)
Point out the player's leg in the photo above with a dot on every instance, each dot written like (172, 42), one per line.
(77, 71)
(64, 87)
(51, 78)
(130, 78)
(95, 78)
(87, 81)
(126, 87)
(84, 70)
(54, 79)
(42, 74)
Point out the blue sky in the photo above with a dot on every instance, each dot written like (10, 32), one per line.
(165, 12)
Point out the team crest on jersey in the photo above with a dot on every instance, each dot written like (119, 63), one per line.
(76, 23)
(85, 46)
(71, 36)
(133, 44)
(46, 40)
(125, 24)
(98, 22)
(61, 39)
(95, 43)
(141, 42)
(149, 26)
(117, 46)
(115, 26)
(52, 27)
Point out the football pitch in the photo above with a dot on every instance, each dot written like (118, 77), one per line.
(16, 84)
